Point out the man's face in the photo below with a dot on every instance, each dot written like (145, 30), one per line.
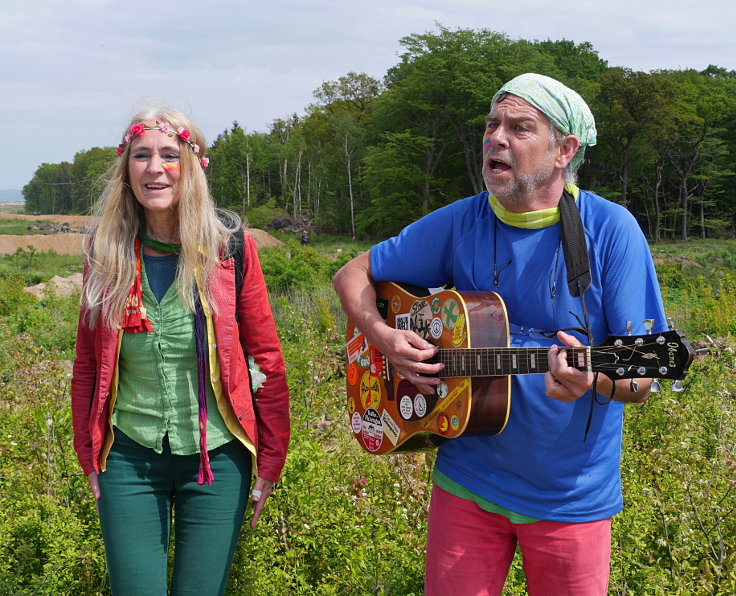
(517, 157)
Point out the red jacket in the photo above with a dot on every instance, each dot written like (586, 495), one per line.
(97, 353)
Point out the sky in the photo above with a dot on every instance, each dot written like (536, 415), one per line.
(73, 71)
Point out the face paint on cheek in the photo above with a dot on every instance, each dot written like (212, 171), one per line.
(487, 138)
(171, 166)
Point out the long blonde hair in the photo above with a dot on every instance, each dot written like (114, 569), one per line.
(111, 259)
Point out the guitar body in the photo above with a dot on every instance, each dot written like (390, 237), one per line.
(388, 413)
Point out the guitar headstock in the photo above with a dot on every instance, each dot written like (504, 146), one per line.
(664, 355)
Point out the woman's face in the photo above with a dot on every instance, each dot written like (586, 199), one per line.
(154, 170)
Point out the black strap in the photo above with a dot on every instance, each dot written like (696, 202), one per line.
(575, 249)
(574, 246)
(236, 250)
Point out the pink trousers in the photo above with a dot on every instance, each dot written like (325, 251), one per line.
(469, 552)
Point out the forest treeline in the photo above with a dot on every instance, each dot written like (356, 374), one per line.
(369, 156)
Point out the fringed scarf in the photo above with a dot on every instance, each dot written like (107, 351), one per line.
(135, 321)
(134, 313)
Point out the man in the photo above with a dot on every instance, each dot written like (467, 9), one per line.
(550, 481)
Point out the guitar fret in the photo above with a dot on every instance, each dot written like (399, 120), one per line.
(490, 361)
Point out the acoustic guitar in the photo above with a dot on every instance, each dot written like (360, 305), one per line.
(388, 413)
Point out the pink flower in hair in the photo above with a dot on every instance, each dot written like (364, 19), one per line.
(205, 161)
(184, 134)
(164, 127)
(120, 150)
(126, 138)
(138, 129)
(195, 148)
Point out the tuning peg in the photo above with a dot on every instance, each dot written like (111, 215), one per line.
(670, 323)
(628, 327)
(655, 387)
(677, 386)
(648, 325)
(634, 386)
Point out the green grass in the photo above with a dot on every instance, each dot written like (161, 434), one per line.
(342, 521)
(12, 208)
(37, 267)
(19, 227)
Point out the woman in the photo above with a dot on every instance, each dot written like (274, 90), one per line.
(163, 412)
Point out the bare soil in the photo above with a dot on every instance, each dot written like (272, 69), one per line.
(71, 243)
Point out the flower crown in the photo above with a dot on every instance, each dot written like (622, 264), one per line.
(136, 130)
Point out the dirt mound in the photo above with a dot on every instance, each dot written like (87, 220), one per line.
(71, 243)
(63, 244)
(263, 239)
(63, 286)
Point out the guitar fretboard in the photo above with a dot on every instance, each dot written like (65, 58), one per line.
(491, 362)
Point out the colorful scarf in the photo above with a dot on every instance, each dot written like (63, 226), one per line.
(135, 321)
(134, 313)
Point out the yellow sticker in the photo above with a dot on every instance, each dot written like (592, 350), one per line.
(458, 333)
(370, 391)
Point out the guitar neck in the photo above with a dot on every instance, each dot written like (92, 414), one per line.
(491, 362)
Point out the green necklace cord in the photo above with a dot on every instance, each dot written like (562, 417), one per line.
(168, 248)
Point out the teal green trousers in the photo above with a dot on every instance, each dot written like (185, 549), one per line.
(142, 491)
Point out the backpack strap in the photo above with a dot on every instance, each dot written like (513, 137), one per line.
(236, 250)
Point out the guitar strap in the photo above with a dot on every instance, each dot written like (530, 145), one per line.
(574, 246)
(575, 249)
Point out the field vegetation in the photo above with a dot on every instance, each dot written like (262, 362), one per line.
(342, 521)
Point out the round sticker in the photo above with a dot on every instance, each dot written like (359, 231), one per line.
(351, 405)
(352, 374)
(406, 408)
(420, 405)
(395, 304)
(455, 422)
(450, 313)
(441, 389)
(436, 328)
(372, 430)
(356, 423)
(436, 305)
(370, 391)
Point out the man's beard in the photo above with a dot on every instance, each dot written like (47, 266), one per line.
(521, 186)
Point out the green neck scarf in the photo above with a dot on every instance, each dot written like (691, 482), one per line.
(168, 248)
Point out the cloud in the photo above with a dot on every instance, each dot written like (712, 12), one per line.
(72, 70)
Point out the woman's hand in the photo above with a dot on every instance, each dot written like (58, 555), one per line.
(261, 490)
(94, 485)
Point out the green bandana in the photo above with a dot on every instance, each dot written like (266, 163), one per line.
(567, 111)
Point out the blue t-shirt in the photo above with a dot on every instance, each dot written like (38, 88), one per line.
(539, 465)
